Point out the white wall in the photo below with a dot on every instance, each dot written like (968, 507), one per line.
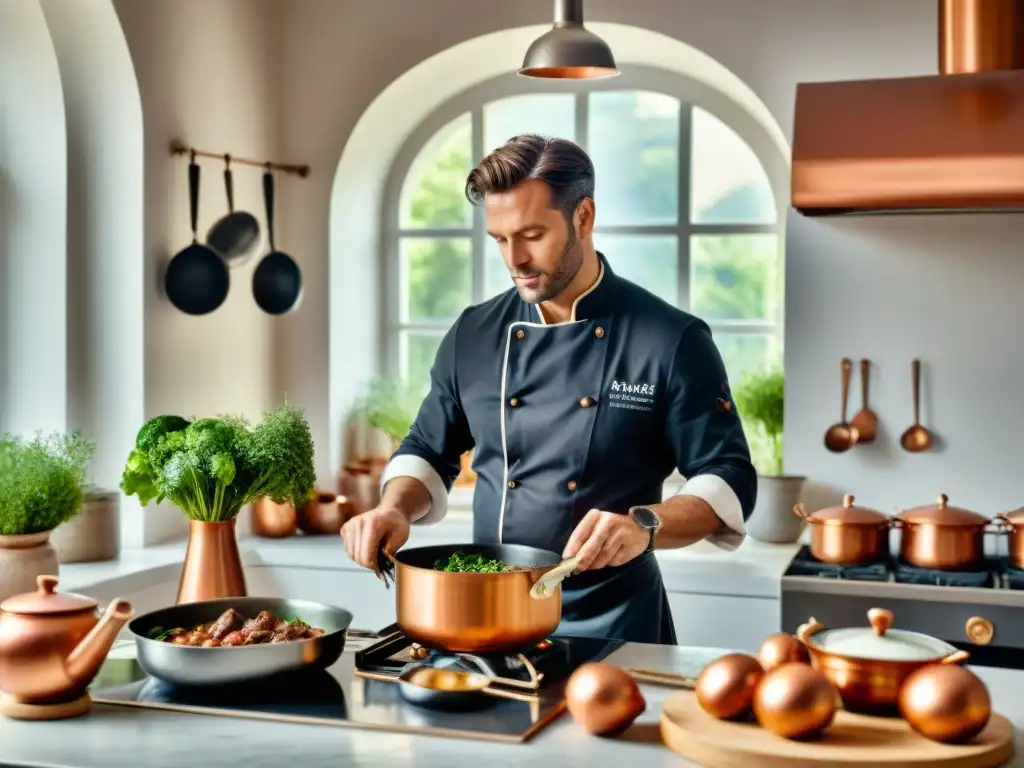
(207, 74)
(104, 303)
(945, 289)
(33, 195)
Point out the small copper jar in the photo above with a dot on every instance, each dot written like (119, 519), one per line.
(847, 535)
(943, 537)
(272, 520)
(326, 513)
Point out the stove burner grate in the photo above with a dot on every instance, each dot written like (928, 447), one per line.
(805, 564)
(911, 574)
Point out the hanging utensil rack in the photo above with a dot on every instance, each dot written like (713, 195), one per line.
(180, 148)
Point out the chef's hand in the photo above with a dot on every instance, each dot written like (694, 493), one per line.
(364, 533)
(604, 539)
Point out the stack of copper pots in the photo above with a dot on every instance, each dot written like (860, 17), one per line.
(938, 536)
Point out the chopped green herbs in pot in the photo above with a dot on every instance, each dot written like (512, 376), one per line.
(460, 562)
(211, 468)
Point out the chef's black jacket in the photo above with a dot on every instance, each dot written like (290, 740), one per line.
(595, 412)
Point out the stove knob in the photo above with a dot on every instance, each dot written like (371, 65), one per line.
(980, 631)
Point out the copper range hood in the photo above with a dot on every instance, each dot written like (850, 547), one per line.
(943, 143)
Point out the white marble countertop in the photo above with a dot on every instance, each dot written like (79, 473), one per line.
(753, 570)
(123, 737)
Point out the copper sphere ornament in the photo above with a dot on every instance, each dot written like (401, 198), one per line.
(782, 648)
(946, 703)
(725, 687)
(603, 698)
(795, 701)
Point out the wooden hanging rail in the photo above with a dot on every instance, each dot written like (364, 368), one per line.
(179, 148)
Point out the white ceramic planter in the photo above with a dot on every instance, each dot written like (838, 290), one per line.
(773, 521)
(22, 559)
(94, 533)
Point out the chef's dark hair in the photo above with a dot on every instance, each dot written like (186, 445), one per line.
(559, 163)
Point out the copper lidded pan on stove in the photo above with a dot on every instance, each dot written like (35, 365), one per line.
(848, 534)
(1013, 522)
(943, 537)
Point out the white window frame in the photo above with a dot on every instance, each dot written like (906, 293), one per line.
(690, 92)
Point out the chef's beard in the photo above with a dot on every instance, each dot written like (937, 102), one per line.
(569, 264)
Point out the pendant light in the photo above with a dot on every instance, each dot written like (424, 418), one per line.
(569, 51)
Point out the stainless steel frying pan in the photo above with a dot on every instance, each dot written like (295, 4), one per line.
(190, 666)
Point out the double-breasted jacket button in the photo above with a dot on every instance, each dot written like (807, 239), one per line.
(511, 483)
(572, 485)
(586, 402)
(513, 401)
(521, 334)
(599, 332)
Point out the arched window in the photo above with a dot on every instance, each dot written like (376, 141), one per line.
(685, 208)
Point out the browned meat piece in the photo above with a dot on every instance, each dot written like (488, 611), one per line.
(315, 632)
(265, 621)
(181, 639)
(291, 631)
(234, 638)
(228, 622)
(259, 636)
(210, 642)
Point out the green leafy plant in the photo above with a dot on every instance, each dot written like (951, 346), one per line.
(760, 401)
(211, 468)
(42, 481)
(390, 405)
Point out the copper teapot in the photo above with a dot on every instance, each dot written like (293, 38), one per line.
(52, 645)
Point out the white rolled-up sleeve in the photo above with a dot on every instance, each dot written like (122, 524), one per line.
(410, 465)
(720, 496)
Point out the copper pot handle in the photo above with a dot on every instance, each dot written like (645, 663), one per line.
(957, 657)
(1002, 522)
(804, 632)
(798, 510)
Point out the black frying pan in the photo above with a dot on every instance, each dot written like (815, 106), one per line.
(277, 281)
(235, 235)
(196, 280)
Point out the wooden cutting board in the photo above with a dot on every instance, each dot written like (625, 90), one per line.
(853, 741)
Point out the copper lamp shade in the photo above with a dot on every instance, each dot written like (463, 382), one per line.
(569, 51)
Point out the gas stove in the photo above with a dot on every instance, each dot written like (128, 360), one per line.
(977, 610)
(361, 690)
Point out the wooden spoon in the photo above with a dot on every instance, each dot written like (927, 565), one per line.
(916, 438)
(865, 419)
(842, 436)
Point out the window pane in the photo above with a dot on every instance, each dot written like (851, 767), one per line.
(728, 183)
(650, 261)
(432, 194)
(418, 350)
(735, 277)
(745, 353)
(634, 142)
(436, 275)
(549, 114)
(496, 277)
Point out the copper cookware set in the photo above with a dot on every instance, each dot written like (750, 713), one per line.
(939, 536)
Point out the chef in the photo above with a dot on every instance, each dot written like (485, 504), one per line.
(579, 392)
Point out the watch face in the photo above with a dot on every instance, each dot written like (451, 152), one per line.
(645, 517)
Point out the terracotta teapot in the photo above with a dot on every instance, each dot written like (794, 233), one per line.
(52, 646)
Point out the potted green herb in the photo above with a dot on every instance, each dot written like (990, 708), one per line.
(390, 406)
(42, 482)
(760, 400)
(210, 469)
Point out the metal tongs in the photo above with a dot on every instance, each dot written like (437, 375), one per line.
(385, 568)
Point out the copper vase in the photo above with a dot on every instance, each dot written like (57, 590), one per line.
(213, 565)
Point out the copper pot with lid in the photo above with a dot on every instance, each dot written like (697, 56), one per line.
(943, 537)
(869, 664)
(1013, 523)
(847, 534)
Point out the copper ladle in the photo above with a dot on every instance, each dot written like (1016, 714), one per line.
(842, 436)
(917, 438)
(865, 419)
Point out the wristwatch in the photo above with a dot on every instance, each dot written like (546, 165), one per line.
(648, 520)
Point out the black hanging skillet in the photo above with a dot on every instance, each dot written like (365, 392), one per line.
(277, 281)
(196, 280)
(235, 235)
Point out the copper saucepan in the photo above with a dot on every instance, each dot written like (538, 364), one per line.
(475, 612)
(869, 665)
(1013, 522)
(937, 536)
